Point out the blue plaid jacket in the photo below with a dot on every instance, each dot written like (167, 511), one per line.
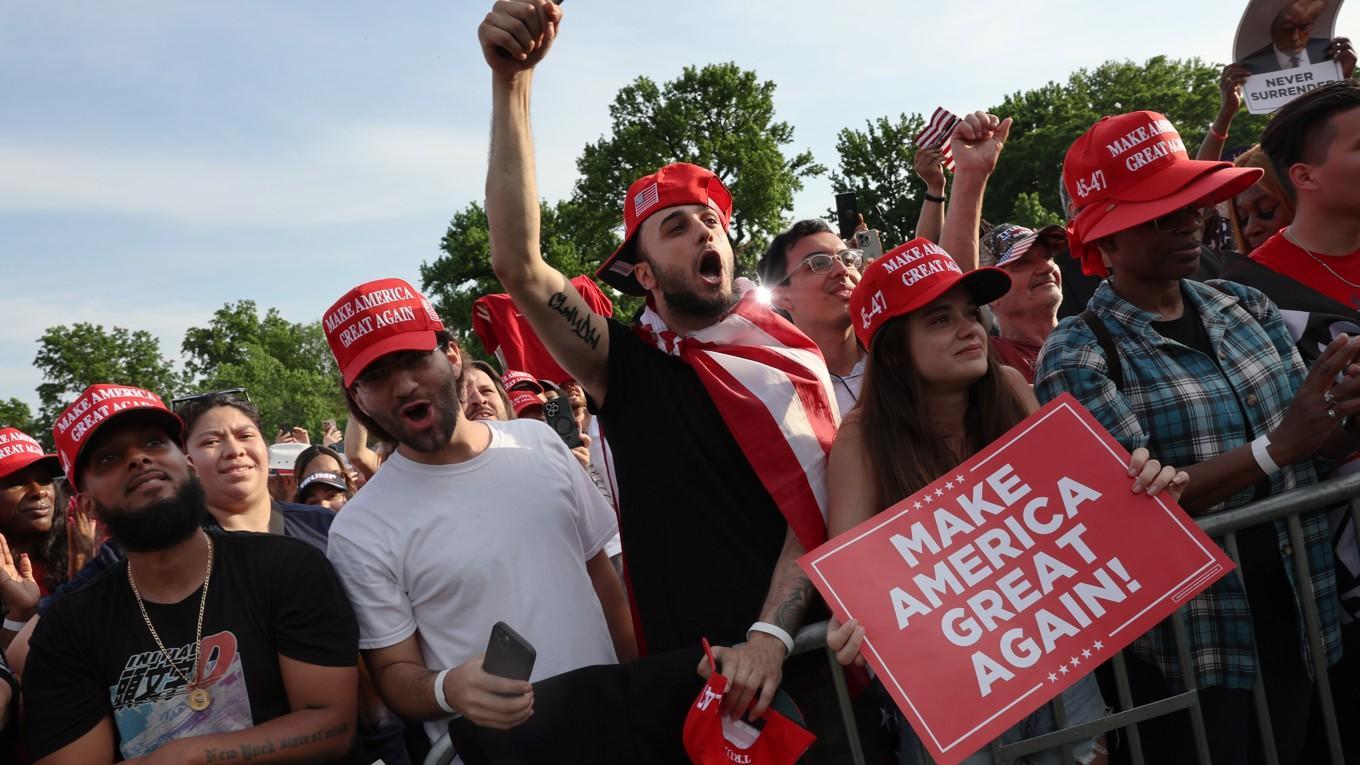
(1186, 408)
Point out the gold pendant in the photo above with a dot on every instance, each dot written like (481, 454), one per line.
(199, 699)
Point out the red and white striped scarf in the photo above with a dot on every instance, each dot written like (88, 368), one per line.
(771, 386)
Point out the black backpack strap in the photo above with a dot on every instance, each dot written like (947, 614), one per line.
(1106, 343)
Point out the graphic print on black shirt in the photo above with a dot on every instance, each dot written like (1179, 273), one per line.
(149, 698)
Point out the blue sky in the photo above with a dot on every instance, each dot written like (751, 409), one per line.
(158, 159)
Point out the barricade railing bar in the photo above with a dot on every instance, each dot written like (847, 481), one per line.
(1286, 506)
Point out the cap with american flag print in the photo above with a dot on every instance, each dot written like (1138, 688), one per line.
(676, 184)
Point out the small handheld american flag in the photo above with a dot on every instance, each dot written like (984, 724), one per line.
(936, 134)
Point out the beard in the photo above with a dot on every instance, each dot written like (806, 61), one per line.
(160, 525)
(445, 403)
(680, 297)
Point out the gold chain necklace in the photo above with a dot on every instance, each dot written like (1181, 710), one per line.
(198, 699)
(1289, 234)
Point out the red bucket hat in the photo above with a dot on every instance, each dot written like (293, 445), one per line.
(98, 406)
(677, 184)
(909, 277)
(375, 319)
(712, 738)
(1129, 169)
(19, 450)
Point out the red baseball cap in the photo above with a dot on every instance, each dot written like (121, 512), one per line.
(98, 406)
(677, 184)
(19, 450)
(713, 738)
(1127, 170)
(516, 380)
(521, 400)
(909, 277)
(375, 319)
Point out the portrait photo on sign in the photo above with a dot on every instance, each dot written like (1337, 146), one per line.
(1277, 35)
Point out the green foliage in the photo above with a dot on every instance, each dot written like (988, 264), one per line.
(1030, 212)
(1050, 118)
(286, 368)
(75, 357)
(876, 164)
(463, 272)
(720, 117)
(16, 414)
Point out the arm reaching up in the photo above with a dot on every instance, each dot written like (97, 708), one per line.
(976, 145)
(514, 37)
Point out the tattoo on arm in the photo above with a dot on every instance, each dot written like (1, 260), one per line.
(248, 752)
(789, 615)
(581, 326)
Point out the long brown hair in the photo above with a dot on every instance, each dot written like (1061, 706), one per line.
(905, 452)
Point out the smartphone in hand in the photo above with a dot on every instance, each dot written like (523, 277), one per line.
(508, 655)
(559, 417)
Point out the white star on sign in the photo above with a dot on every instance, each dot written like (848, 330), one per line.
(1085, 654)
(958, 478)
(928, 499)
(1052, 678)
(939, 492)
(1063, 669)
(916, 505)
(1075, 661)
(1099, 645)
(949, 484)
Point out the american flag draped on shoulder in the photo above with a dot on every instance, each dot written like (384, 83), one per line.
(771, 386)
(936, 134)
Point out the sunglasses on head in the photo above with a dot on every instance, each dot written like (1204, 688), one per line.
(819, 262)
(179, 401)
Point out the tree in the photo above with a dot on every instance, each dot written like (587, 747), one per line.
(876, 164)
(16, 414)
(720, 117)
(76, 357)
(286, 368)
(463, 272)
(1050, 118)
(1030, 212)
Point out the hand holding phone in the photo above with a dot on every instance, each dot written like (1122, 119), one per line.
(559, 417)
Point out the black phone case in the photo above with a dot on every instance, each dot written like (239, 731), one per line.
(560, 419)
(508, 654)
(847, 213)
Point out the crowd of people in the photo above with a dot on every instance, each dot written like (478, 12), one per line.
(179, 586)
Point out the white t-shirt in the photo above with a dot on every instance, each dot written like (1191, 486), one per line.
(449, 550)
(848, 387)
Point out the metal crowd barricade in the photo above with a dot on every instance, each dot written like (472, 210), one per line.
(1223, 526)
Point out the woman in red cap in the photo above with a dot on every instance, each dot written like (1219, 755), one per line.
(934, 392)
(1206, 376)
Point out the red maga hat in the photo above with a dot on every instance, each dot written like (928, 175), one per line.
(19, 450)
(375, 319)
(523, 400)
(98, 406)
(909, 277)
(517, 380)
(677, 184)
(1127, 170)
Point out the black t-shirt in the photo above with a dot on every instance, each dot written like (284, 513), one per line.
(92, 656)
(701, 535)
(1187, 330)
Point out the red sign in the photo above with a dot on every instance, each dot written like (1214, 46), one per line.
(995, 588)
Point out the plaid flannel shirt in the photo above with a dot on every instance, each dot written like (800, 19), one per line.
(1187, 408)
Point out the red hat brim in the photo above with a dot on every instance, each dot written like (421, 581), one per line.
(1180, 185)
(611, 271)
(986, 284)
(53, 464)
(424, 340)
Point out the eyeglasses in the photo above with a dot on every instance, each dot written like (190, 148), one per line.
(405, 361)
(1172, 220)
(176, 403)
(819, 262)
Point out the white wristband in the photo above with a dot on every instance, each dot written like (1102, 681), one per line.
(14, 626)
(439, 692)
(771, 629)
(1263, 458)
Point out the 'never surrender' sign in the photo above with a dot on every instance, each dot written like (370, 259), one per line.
(995, 588)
